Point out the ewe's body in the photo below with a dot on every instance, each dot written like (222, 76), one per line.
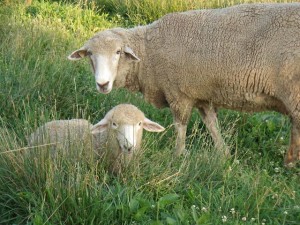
(245, 57)
(118, 135)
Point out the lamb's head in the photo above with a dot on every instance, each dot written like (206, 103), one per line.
(106, 51)
(124, 124)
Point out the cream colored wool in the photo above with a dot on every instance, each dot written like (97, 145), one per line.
(245, 57)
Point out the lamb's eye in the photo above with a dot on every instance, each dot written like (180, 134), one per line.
(89, 53)
(118, 52)
(140, 123)
(114, 124)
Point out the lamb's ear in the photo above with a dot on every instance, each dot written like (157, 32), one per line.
(78, 54)
(100, 126)
(130, 53)
(152, 126)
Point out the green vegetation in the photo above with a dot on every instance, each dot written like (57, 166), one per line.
(38, 84)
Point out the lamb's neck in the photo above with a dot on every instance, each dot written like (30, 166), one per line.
(136, 38)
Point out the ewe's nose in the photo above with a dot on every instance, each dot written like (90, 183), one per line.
(103, 85)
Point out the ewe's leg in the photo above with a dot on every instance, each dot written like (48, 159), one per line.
(209, 117)
(293, 153)
(291, 101)
(181, 114)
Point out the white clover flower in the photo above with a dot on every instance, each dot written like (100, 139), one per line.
(277, 169)
(285, 212)
(274, 196)
(152, 206)
(224, 219)
(232, 211)
(203, 209)
(244, 218)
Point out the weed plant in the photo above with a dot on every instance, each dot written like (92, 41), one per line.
(38, 84)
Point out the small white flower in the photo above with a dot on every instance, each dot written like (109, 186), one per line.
(263, 220)
(252, 219)
(281, 138)
(224, 219)
(203, 209)
(285, 212)
(277, 169)
(237, 162)
(262, 223)
(244, 218)
(274, 196)
(152, 206)
(232, 211)
(193, 206)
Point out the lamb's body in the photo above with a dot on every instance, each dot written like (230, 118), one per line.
(245, 57)
(116, 137)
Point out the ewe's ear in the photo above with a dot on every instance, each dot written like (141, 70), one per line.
(130, 53)
(100, 126)
(152, 126)
(78, 54)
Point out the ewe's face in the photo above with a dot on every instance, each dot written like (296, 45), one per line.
(105, 51)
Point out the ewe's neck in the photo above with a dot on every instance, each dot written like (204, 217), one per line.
(136, 39)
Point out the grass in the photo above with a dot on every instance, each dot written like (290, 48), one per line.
(38, 84)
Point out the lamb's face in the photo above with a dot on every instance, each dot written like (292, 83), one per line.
(105, 51)
(124, 125)
(128, 136)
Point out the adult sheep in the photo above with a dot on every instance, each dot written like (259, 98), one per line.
(119, 133)
(245, 57)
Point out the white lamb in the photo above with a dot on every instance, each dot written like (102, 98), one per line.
(119, 132)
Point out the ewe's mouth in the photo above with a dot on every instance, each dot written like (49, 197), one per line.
(104, 91)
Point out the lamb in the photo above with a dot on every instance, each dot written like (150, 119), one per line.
(245, 57)
(120, 132)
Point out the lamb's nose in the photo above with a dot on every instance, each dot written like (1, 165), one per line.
(103, 85)
(128, 148)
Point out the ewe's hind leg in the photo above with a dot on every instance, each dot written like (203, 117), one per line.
(209, 117)
(292, 105)
(293, 153)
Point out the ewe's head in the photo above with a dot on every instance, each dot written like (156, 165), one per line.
(106, 51)
(124, 124)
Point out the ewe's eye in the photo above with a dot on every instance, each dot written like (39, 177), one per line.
(140, 123)
(114, 125)
(118, 52)
(89, 53)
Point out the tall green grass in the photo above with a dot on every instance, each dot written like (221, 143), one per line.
(38, 84)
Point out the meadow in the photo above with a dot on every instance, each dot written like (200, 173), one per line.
(39, 84)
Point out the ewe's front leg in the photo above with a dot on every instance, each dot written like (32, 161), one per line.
(209, 117)
(293, 153)
(181, 115)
